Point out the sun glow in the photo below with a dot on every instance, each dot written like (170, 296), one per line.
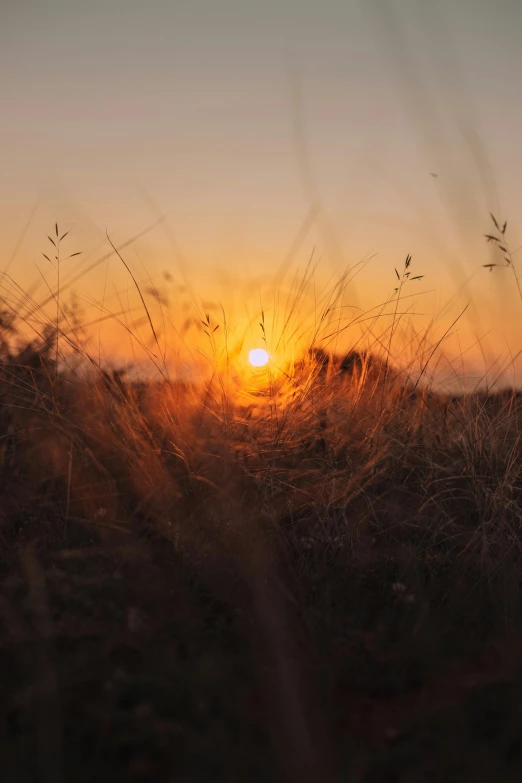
(258, 357)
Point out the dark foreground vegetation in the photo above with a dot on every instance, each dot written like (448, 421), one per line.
(317, 583)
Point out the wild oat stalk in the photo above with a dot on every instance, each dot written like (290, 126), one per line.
(403, 279)
(499, 241)
(56, 243)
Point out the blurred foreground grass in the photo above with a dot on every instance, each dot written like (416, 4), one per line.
(315, 579)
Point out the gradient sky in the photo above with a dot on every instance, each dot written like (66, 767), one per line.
(238, 116)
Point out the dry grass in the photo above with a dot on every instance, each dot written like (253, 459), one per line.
(312, 575)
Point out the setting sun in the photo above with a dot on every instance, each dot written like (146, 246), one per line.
(258, 357)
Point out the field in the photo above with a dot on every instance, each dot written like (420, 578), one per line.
(314, 578)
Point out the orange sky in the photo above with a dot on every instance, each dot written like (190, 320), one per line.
(237, 119)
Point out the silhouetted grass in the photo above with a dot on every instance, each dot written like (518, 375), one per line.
(307, 574)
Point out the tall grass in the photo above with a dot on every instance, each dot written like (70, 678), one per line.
(283, 488)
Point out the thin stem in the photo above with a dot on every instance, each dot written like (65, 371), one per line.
(57, 307)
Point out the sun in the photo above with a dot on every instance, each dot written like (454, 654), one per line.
(258, 357)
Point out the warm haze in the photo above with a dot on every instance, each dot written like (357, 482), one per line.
(260, 391)
(265, 132)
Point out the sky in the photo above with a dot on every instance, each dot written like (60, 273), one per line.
(266, 132)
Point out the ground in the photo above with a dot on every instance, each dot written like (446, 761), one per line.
(318, 601)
